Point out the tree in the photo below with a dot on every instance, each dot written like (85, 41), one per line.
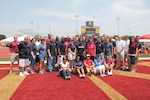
(37, 36)
(2, 36)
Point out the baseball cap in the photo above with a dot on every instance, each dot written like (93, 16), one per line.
(88, 55)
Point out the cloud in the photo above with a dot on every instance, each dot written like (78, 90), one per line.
(130, 8)
(64, 15)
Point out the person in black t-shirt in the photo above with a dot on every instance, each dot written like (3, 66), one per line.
(71, 53)
(23, 48)
(32, 48)
(81, 50)
(52, 53)
(61, 51)
(99, 49)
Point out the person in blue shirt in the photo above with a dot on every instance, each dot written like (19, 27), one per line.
(42, 55)
(78, 65)
(139, 50)
(108, 48)
(32, 48)
(99, 66)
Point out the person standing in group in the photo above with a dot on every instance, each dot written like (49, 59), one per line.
(133, 50)
(139, 50)
(13, 48)
(48, 39)
(52, 53)
(126, 49)
(81, 50)
(91, 49)
(71, 53)
(37, 43)
(23, 48)
(120, 52)
(99, 49)
(32, 48)
(61, 50)
(42, 54)
(108, 48)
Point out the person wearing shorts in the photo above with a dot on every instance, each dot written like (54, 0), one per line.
(99, 66)
(109, 64)
(133, 50)
(78, 65)
(89, 65)
(23, 57)
(13, 48)
(120, 44)
(71, 53)
(61, 51)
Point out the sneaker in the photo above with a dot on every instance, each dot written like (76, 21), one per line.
(69, 77)
(80, 75)
(101, 75)
(66, 77)
(110, 73)
(32, 72)
(132, 71)
(104, 74)
(41, 72)
(10, 72)
(116, 67)
(83, 75)
(21, 74)
(26, 73)
(122, 67)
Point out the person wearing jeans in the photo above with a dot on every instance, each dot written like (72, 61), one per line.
(32, 48)
(52, 53)
(65, 67)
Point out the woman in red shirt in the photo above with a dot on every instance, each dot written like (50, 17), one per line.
(91, 49)
(109, 64)
(133, 49)
(89, 65)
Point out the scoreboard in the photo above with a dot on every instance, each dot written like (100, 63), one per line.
(95, 30)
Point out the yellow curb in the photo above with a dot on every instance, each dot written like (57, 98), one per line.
(135, 75)
(9, 84)
(108, 90)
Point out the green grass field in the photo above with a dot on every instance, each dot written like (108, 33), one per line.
(4, 59)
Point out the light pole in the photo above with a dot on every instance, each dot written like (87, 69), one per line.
(128, 31)
(77, 23)
(118, 19)
(31, 28)
(49, 29)
(38, 29)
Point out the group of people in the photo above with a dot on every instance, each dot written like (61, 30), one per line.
(81, 55)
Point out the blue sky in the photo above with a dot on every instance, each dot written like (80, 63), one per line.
(58, 16)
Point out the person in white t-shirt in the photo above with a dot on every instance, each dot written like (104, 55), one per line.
(126, 47)
(120, 45)
(65, 69)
